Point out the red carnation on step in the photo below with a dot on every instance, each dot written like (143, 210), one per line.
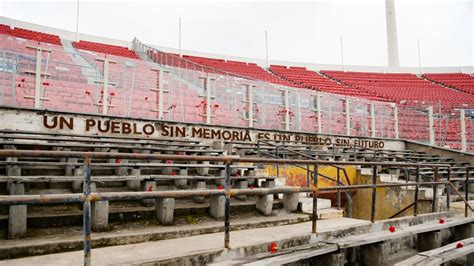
(273, 247)
(391, 229)
(459, 245)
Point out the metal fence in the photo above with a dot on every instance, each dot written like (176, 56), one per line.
(167, 86)
(87, 197)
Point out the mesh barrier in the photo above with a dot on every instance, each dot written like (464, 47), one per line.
(74, 81)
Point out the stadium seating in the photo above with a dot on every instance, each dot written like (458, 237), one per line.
(402, 88)
(248, 70)
(106, 49)
(313, 80)
(459, 81)
(30, 35)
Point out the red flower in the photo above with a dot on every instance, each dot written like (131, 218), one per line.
(168, 162)
(216, 105)
(150, 188)
(220, 187)
(118, 160)
(459, 245)
(22, 80)
(173, 173)
(146, 98)
(112, 94)
(391, 229)
(88, 93)
(273, 247)
(441, 221)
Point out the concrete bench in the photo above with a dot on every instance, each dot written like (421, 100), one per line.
(76, 146)
(374, 246)
(443, 254)
(96, 140)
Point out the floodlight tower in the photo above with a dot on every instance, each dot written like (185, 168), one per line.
(392, 39)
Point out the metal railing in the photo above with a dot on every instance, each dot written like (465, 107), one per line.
(87, 197)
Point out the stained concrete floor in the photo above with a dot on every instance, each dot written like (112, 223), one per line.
(148, 252)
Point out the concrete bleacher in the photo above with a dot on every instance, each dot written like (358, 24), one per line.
(31, 176)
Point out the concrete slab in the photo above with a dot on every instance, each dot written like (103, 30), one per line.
(149, 252)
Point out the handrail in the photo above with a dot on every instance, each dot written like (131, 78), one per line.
(227, 159)
(348, 193)
(86, 198)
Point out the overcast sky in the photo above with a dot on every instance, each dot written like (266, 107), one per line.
(302, 31)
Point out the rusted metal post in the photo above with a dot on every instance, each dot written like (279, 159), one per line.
(374, 193)
(448, 190)
(87, 211)
(466, 190)
(435, 191)
(338, 190)
(417, 187)
(315, 199)
(227, 206)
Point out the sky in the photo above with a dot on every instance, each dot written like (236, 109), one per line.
(299, 31)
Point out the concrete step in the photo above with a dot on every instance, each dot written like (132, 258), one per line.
(307, 204)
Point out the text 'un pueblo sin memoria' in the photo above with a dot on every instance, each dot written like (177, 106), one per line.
(120, 127)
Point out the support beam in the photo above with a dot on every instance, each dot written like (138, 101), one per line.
(38, 97)
(105, 92)
(249, 103)
(348, 117)
(463, 130)
(395, 121)
(165, 210)
(208, 95)
(372, 118)
(161, 91)
(431, 125)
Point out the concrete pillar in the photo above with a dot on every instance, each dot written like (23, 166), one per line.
(374, 254)
(77, 184)
(463, 231)
(12, 170)
(264, 204)
(229, 147)
(149, 185)
(165, 210)
(252, 173)
(100, 213)
(17, 214)
(338, 259)
(242, 184)
(167, 170)
(134, 184)
(392, 39)
(217, 207)
(182, 182)
(122, 171)
(429, 240)
(199, 185)
(221, 180)
(290, 201)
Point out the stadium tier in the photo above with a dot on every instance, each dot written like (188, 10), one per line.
(72, 79)
(314, 80)
(402, 88)
(30, 35)
(105, 49)
(458, 81)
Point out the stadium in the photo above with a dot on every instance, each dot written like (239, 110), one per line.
(124, 152)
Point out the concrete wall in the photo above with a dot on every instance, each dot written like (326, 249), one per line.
(12, 118)
(442, 152)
